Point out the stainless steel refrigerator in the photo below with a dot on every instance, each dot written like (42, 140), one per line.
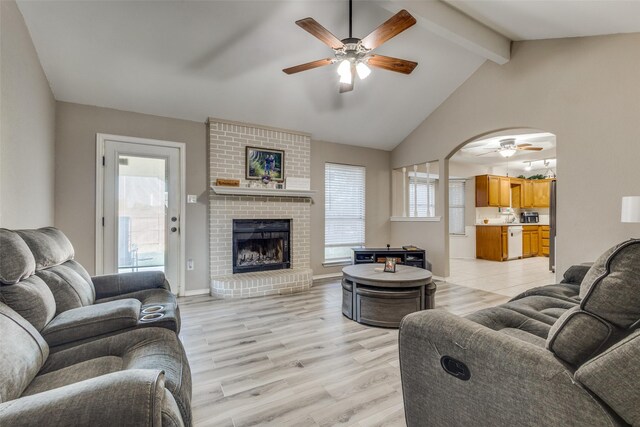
(553, 225)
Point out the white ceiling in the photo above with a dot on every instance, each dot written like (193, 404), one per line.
(192, 60)
(550, 19)
(195, 59)
(484, 151)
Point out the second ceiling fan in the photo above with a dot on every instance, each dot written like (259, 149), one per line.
(354, 54)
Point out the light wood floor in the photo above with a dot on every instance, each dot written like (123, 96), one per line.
(296, 361)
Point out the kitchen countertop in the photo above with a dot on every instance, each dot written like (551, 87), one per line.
(513, 224)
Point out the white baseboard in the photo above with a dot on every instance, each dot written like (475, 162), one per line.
(195, 292)
(326, 276)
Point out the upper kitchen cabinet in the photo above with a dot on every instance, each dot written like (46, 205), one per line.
(493, 191)
(526, 198)
(541, 193)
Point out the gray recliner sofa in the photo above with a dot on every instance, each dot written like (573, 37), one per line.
(559, 355)
(137, 378)
(41, 281)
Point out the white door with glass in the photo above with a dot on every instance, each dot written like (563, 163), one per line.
(141, 208)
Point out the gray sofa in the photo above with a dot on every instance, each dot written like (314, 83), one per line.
(41, 281)
(139, 377)
(76, 350)
(559, 355)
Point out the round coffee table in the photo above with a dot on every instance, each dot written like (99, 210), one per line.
(373, 297)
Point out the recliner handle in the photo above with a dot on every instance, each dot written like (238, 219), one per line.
(455, 368)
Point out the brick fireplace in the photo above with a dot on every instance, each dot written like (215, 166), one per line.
(262, 270)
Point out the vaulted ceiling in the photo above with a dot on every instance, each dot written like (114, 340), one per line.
(194, 59)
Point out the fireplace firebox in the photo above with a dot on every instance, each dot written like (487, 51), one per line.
(261, 245)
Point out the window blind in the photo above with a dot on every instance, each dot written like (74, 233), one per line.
(426, 208)
(456, 207)
(344, 202)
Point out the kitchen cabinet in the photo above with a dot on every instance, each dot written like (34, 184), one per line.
(526, 194)
(530, 241)
(491, 243)
(544, 240)
(493, 191)
(541, 193)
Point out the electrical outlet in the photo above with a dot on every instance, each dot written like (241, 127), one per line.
(192, 198)
(190, 265)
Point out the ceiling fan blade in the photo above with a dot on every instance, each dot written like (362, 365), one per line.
(525, 145)
(312, 26)
(348, 87)
(392, 64)
(530, 148)
(308, 66)
(391, 28)
(484, 154)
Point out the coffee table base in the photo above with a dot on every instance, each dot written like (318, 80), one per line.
(385, 307)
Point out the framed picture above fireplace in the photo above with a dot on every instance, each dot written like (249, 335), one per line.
(265, 164)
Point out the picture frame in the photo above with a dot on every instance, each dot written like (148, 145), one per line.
(390, 265)
(264, 164)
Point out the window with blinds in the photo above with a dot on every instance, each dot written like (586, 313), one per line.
(344, 201)
(456, 207)
(425, 208)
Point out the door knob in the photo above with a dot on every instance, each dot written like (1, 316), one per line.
(174, 229)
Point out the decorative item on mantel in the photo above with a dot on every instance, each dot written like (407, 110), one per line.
(303, 184)
(265, 164)
(224, 182)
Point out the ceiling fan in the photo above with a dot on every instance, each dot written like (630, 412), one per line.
(354, 54)
(508, 148)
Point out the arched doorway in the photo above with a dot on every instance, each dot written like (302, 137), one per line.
(499, 211)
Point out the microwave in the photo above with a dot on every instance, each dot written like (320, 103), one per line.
(529, 217)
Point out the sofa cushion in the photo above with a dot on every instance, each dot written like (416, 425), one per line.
(49, 246)
(577, 336)
(32, 299)
(611, 288)
(92, 321)
(146, 348)
(501, 318)
(16, 260)
(70, 289)
(22, 354)
(75, 373)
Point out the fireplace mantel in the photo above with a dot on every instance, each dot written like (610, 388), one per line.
(269, 192)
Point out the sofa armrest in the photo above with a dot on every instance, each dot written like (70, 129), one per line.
(512, 382)
(575, 274)
(132, 397)
(111, 285)
(92, 321)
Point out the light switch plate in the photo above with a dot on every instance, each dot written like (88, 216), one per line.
(190, 265)
(192, 198)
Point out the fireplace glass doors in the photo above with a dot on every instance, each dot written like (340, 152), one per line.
(261, 244)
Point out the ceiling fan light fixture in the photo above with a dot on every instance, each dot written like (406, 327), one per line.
(363, 70)
(507, 152)
(346, 78)
(344, 68)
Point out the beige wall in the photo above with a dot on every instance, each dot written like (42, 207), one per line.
(586, 92)
(378, 196)
(27, 121)
(76, 128)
